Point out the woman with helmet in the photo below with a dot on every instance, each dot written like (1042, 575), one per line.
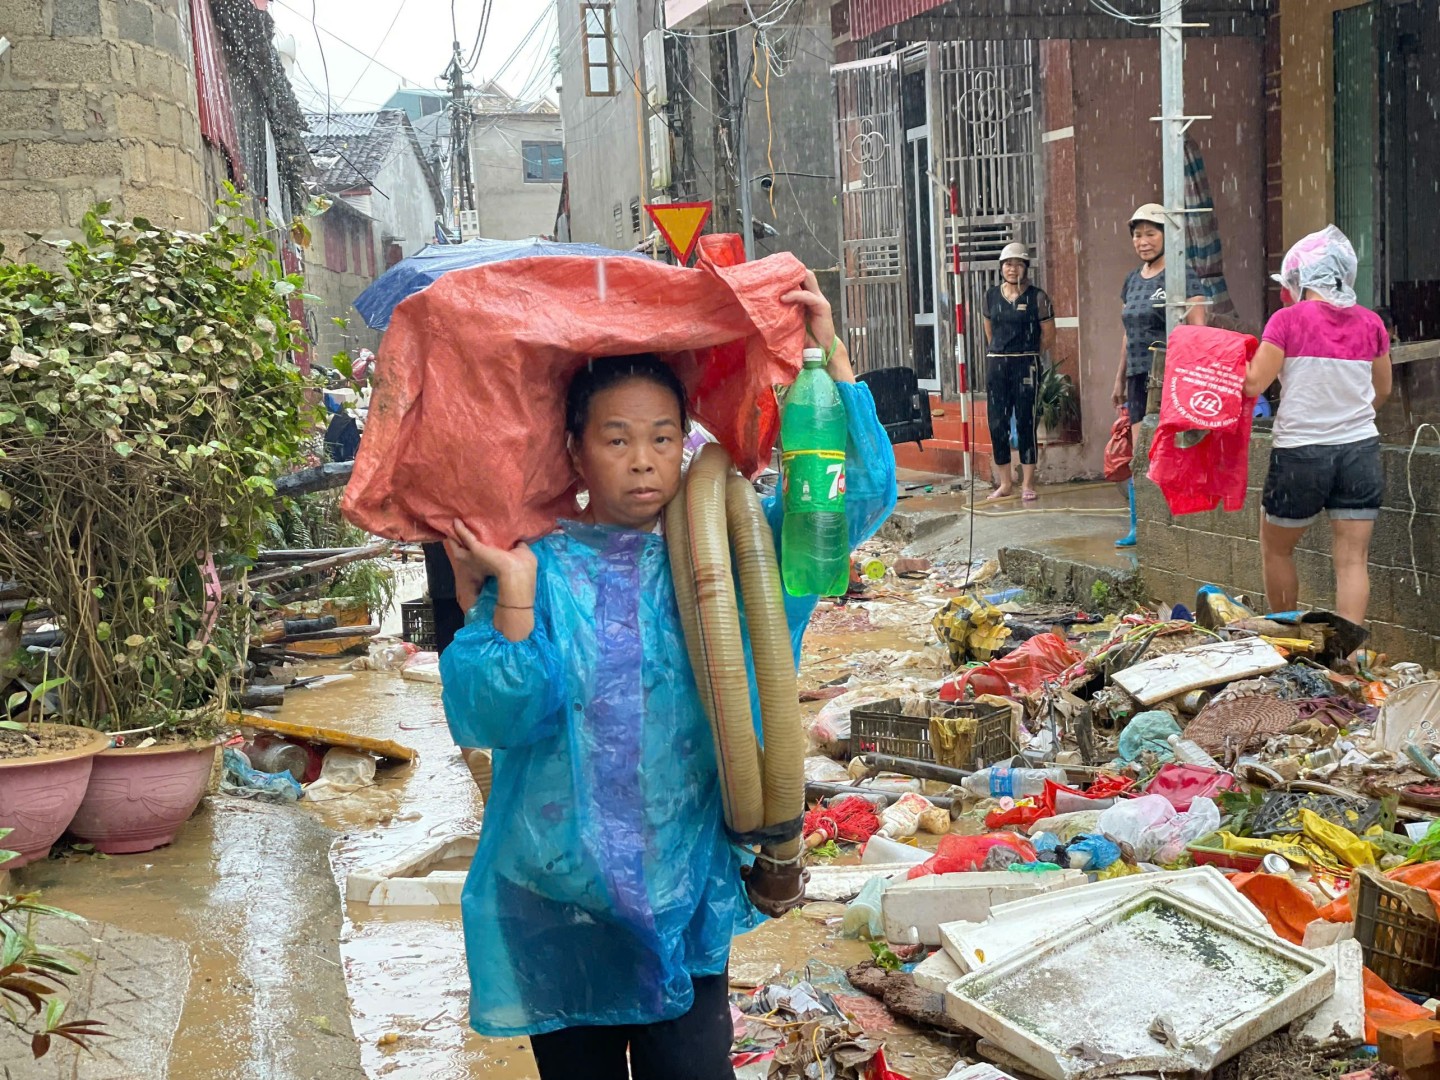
(1332, 357)
(1143, 314)
(1019, 326)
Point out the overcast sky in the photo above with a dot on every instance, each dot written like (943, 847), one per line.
(415, 50)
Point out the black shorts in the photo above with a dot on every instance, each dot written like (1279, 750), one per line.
(1346, 481)
(1137, 395)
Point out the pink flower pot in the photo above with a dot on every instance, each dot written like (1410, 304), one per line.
(39, 795)
(138, 798)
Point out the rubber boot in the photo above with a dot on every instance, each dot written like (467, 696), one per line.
(1129, 540)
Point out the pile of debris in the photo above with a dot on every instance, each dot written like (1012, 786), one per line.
(1164, 844)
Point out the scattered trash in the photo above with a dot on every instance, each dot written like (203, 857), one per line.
(245, 782)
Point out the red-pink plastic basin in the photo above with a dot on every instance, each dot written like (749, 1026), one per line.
(138, 798)
(39, 795)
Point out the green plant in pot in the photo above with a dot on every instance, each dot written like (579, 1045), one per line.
(33, 975)
(1057, 402)
(149, 399)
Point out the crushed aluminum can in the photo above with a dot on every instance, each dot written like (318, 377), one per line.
(1274, 863)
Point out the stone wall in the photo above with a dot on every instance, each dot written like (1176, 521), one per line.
(97, 102)
(1179, 554)
(339, 265)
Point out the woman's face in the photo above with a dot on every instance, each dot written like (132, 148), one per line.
(1149, 241)
(1013, 270)
(629, 455)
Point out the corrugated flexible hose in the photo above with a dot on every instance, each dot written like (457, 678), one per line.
(763, 790)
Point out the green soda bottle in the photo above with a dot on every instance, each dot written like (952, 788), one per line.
(814, 537)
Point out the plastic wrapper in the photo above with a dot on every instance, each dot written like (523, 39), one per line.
(1120, 450)
(957, 854)
(1091, 852)
(1154, 831)
(1148, 731)
(481, 361)
(244, 782)
(1204, 391)
(1324, 261)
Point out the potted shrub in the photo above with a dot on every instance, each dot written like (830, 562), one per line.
(32, 975)
(148, 400)
(44, 768)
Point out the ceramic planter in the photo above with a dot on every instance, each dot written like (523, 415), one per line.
(138, 798)
(39, 795)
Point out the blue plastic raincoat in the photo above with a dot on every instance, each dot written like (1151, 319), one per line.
(604, 879)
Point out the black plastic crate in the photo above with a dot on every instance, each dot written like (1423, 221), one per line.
(1398, 932)
(417, 623)
(885, 727)
(1279, 814)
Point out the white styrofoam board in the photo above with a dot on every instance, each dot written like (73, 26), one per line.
(936, 972)
(1018, 925)
(401, 880)
(926, 902)
(1069, 1008)
(1340, 1022)
(1164, 677)
(842, 883)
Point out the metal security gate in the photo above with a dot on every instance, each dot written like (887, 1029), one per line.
(988, 155)
(870, 153)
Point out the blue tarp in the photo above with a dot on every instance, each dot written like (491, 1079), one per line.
(433, 261)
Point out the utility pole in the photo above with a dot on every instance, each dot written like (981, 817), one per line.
(1173, 123)
(741, 89)
(463, 190)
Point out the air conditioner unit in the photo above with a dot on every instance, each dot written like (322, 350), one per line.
(469, 224)
(657, 88)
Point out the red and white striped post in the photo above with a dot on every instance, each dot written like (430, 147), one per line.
(962, 378)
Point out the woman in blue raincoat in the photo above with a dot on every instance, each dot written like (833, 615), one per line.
(605, 893)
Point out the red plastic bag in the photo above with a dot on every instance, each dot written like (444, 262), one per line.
(1182, 784)
(1043, 658)
(467, 418)
(1120, 450)
(964, 853)
(1204, 391)
(1020, 816)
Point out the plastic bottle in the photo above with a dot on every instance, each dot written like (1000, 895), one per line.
(1192, 753)
(862, 915)
(814, 537)
(998, 782)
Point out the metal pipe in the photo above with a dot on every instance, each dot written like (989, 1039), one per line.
(816, 790)
(921, 770)
(1172, 156)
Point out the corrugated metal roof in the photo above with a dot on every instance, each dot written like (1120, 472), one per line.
(870, 16)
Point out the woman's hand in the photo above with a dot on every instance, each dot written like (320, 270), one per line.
(1118, 395)
(820, 326)
(514, 572)
(819, 319)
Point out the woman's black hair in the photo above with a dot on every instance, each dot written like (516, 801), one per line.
(608, 372)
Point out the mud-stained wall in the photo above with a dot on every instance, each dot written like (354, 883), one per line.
(1179, 554)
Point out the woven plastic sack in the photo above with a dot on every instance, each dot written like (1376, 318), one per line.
(1204, 392)
(1120, 450)
(467, 417)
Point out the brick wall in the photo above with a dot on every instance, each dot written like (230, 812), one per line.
(1179, 554)
(97, 102)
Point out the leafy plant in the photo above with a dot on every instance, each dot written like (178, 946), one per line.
(1057, 402)
(148, 401)
(32, 975)
(1100, 593)
(315, 521)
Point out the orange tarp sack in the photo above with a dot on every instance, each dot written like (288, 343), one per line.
(1287, 906)
(467, 415)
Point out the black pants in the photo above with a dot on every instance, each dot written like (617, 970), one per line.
(694, 1047)
(1010, 383)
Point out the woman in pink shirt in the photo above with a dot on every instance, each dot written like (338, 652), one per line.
(1332, 357)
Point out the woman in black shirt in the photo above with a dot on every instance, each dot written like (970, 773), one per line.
(1019, 326)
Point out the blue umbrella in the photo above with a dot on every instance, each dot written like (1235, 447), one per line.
(433, 261)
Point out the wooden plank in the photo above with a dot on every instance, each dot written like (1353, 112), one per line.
(333, 562)
(384, 748)
(333, 474)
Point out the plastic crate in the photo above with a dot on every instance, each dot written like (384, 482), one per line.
(886, 727)
(1279, 814)
(417, 623)
(1207, 852)
(1398, 931)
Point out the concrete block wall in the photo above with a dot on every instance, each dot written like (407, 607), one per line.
(1179, 554)
(97, 102)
